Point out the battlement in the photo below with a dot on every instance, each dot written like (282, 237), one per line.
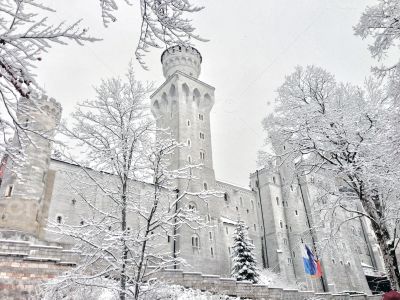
(38, 105)
(180, 58)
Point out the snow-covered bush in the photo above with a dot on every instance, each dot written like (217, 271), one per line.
(274, 279)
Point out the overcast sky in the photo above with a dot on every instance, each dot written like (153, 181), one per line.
(253, 45)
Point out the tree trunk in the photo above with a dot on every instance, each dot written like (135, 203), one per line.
(387, 245)
(144, 245)
(122, 293)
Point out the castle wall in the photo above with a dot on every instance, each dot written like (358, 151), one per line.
(23, 185)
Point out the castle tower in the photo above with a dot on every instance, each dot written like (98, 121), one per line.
(182, 105)
(23, 186)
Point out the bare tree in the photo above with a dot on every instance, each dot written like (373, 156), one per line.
(382, 23)
(25, 37)
(341, 131)
(127, 225)
(164, 23)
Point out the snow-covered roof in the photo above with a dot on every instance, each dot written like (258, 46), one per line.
(234, 186)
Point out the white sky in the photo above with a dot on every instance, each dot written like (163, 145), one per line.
(253, 45)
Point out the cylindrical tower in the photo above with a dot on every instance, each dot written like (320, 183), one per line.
(183, 59)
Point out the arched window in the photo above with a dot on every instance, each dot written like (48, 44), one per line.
(172, 91)
(226, 197)
(189, 143)
(277, 200)
(192, 206)
(273, 179)
(195, 242)
(281, 223)
(189, 158)
(59, 219)
(205, 186)
(196, 96)
(185, 90)
(212, 252)
(188, 122)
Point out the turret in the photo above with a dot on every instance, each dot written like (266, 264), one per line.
(180, 58)
(24, 182)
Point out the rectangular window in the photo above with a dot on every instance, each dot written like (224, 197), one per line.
(9, 191)
(202, 155)
(201, 117)
(210, 235)
(202, 136)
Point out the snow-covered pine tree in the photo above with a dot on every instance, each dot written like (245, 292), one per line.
(244, 261)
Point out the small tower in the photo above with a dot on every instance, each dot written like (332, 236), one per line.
(23, 187)
(182, 105)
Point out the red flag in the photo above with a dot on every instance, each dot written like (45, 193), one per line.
(318, 274)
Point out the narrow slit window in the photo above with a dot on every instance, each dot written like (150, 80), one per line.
(9, 191)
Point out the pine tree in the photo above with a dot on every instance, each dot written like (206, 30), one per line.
(244, 261)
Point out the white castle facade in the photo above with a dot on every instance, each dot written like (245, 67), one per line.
(278, 209)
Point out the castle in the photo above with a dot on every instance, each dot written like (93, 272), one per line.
(278, 209)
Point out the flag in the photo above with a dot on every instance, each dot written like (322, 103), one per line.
(310, 267)
(318, 274)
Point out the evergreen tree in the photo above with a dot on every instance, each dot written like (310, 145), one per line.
(244, 261)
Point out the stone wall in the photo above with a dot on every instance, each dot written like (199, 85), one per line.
(247, 290)
(24, 266)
